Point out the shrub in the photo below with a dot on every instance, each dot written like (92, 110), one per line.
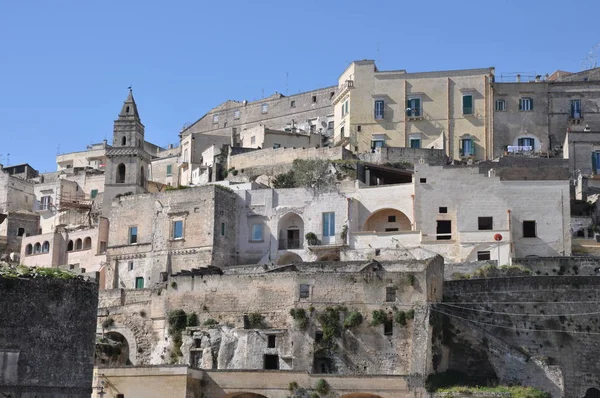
(292, 386)
(330, 321)
(410, 314)
(401, 318)
(192, 319)
(234, 172)
(174, 285)
(177, 321)
(107, 323)
(210, 322)
(311, 238)
(255, 320)
(411, 279)
(322, 387)
(299, 315)
(378, 317)
(354, 319)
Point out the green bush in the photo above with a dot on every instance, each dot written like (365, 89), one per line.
(410, 314)
(255, 320)
(177, 320)
(292, 386)
(210, 322)
(354, 319)
(299, 315)
(330, 321)
(322, 387)
(401, 318)
(192, 319)
(378, 317)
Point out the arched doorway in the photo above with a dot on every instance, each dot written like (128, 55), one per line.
(592, 393)
(387, 220)
(289, 258)
(112, 350)
(291, 232)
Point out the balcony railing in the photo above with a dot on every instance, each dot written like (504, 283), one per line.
(287, 244)
(414, 113)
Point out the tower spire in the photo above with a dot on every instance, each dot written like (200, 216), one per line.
(129, 106)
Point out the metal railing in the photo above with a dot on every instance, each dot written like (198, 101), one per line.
(286, 244)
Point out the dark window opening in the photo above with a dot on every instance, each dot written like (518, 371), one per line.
(359, 128)
(131, 266)
(483, 256)
(444, 230)
(70, 246)
(423, 180)
(377, 252)
(246, 322)
(391, 230)
(120, 173)
(486, 223)
(314, 98)
(123, 141)
(304, 291)
(388, 327)
(318, 336)
(20, 231)
(271, 341)
(529, 229)
(331, 94)
(443, 210)
(581, 233)
(127, 110)
(390, 294)
(271, 362)
(391, 218)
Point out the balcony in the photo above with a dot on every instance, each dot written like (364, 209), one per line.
(343, 89)
(396, 239)
(414, 114)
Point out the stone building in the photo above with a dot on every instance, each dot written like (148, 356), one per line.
(448, 110)
(47, 336)
(534, 116)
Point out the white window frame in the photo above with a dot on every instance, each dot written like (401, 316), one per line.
(173, 223)
(236, 114)
(216, 118)
(264, 108)
(379, 109)
(253, 140)
(500, 105)
(526, 104)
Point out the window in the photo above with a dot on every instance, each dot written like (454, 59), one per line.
(314, 98)
(485, 223)
(139, 282)
(345, 108)
(87, 243)
(70, 246)
(526, 141)
(529, 229)
(121, 174)
(177, 229)
(359, 128)
(318, 336)
(131, 266)
(444, 230)
(133, 235)
(46, 202)
(222, 229)
(37, 248)
(271, 362)
(46, 247)
(78, 244)
(304, 291)
(413, 107)
(378, 143)
(342, 132)
(525, 104)
(292, 104)
(271, 341)
(236, 114)
(415, 142)
(391, 230)
(379, 104)
(252, 140)
(443, 210)
(467, 104)
(102, 247)
(257, 232)
(169, 170)
(423, 180)
(483, 256)
(215, 118)
(328, 224)
(330, 125)
(467, 148)
(575, 109)
(28, 249)
(500, 105)
(388, 327)
(93, 193)
(596, 162)
(391, 218)
(123, 141)
(265, 108)
(390, 294)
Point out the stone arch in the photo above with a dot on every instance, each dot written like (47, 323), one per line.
(121, 173)
(289, 258)
(78, 244)
(28, 249)
(360, 395)
(113, 350)
(387, 220)
(70, 246)
(592, 393)
(244, 395)
(87, 243)
(127, 335)
(37, 248)
(46, 247)
(291, 231)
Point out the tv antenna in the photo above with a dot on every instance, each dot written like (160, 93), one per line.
(591, 58)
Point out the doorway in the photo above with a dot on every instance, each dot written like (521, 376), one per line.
(293, 238)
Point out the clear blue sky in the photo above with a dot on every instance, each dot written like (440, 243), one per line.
(65, 65)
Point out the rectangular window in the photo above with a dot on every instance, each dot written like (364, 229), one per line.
(390, 294)
(177, 229)
(391, 230)
(328, 224)
(342, 132)
(379, 109)
(257, 232)
(314, 98)
(215, 118)
(94, 193)
(133, 235)
(526, 142)
(330, 125)
(415, 143)
(485, 223)
(483, 256)
(139, 282)
(292, 104)
(131, 266)
(271, 341)
(318, 336)
(276, 145)
(345, 108)
(500, 105)
(423, 180)
(271, 362)
(467, 104)
(222, 229)
(252, 140)
(391, 218)
(529, 229)
(359, 128)
(444, 230)
(467, 148)
(525, 104)
(169, 170)
(443, 210)
(575, 109)
(413, 107)
(265, 108)
(304, 291)
(236, 114)
(46, 202)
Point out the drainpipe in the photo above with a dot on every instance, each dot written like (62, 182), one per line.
(511, 244)
(414, 223)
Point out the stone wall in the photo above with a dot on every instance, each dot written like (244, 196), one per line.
(387, 154)
(47, 335)
(272, 156)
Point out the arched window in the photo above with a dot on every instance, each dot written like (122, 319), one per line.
(87, 243)
(127, 110)
(46, 247)
(28, 249)
(121, 173)
(124, 141)
(78, 244)
(70, 246)
(37, 248)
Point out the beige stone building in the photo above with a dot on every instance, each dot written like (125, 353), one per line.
(448, 110)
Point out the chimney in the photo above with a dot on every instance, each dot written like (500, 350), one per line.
(538, 78)
(518, 78)
(104, 143)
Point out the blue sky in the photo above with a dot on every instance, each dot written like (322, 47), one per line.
(65, 65)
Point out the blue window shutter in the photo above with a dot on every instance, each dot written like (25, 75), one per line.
(594, 162)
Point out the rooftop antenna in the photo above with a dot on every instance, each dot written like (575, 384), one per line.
(591, 58)
(8, 159)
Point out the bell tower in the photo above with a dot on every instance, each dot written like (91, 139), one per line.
(126, 160)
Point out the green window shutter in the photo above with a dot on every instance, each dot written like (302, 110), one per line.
(472, 150)
(467, 104)
(417, 102)
(594, 163)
